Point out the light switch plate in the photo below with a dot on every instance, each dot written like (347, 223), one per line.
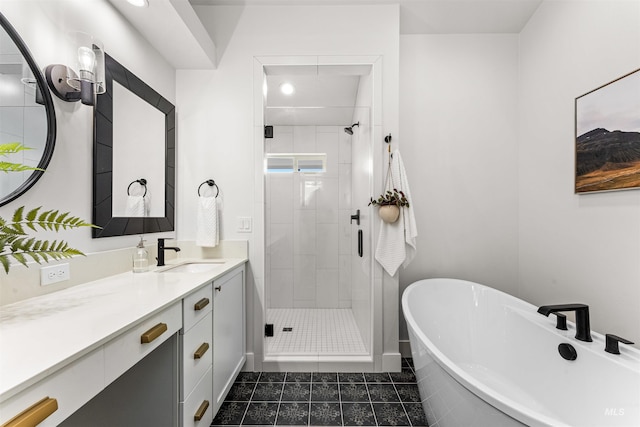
(244, 224)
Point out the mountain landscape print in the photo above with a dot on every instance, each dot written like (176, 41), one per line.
(608, 136)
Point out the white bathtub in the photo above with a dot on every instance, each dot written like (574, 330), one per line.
(485, 358)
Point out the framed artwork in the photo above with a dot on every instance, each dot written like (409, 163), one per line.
(608, 136)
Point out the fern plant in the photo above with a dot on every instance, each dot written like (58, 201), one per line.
(17, 244)
(13, 148)
(15, 241)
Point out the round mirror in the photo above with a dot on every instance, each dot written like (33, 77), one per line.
(27, 117)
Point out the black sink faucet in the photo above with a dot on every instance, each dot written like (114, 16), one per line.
(583, 329)
(161, 249)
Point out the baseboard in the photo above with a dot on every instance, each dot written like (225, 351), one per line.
(405, 348)
(391, 362)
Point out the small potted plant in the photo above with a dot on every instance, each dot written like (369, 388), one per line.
(390, 203)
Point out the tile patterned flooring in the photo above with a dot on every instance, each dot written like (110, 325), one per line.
(323, 399)
(315, 331)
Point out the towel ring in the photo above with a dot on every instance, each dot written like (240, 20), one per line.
(210, 183)
(140, 181)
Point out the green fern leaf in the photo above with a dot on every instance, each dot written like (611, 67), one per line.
(17, 215)
(5, 263)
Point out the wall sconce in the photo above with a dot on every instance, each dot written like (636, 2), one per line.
(81, 85)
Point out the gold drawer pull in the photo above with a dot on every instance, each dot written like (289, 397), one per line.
(35, 414)
(201, 410)
(201, 350)
(153, 333)
(201, 304)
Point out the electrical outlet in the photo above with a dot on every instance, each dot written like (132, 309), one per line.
(54, 273)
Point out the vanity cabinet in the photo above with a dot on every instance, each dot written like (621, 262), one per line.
(229, 333)
(197, 356)
(65, 391)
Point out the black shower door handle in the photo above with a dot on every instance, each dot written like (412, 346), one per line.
(360, 243)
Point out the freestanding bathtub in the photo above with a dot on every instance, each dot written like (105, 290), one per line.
(485, 358)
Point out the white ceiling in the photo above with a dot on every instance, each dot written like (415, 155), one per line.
(432, 16)
(325, 95)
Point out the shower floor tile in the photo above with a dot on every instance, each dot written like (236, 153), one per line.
(305, 399)
(313, 331)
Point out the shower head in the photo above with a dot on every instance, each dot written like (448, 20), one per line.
(349, 129)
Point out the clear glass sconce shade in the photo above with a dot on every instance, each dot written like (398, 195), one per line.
(88, 65)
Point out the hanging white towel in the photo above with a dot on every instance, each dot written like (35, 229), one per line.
(207, 222)
(136, 206)
(397, 241)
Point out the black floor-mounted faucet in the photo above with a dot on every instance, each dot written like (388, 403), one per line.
(583, 329)
(161, 249)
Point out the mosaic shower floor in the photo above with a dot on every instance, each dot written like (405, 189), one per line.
(323, 399)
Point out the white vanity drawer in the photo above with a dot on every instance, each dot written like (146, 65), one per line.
(197, 305)
(127, 349)
(197, 340)
(71, 387)
(197, 401)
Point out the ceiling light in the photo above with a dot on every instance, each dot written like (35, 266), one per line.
(287, 89)
(139, 3)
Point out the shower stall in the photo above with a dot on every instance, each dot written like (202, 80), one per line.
(318, 299)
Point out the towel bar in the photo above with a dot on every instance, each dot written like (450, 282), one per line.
(210, 183)
(142, 182)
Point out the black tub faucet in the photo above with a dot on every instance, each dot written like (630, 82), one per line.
(583, 329)
(161, 249)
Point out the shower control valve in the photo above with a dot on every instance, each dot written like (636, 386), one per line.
(356, 217)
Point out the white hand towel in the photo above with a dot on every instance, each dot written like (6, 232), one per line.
(207, 222)
(135, 206)
(410, 228)
(397, 241)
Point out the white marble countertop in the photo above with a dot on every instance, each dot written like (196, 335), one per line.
(40, 335)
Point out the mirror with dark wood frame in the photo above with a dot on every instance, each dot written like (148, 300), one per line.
(104, 149)
(27, 115)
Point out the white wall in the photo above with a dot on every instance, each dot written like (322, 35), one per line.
(216, 120)
(575, 248)
(458, 122)
(44, 26)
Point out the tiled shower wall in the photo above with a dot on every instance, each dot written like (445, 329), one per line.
(309, 236)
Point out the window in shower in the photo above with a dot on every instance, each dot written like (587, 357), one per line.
(298, 162)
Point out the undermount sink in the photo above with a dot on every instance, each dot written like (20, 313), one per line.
(193, 267)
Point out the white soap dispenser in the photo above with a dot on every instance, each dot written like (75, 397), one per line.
(140, 258)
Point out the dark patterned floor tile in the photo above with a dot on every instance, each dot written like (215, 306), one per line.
(358, 414)
(267, 392)
(408, 392)
(230, 413)
(296, 392)
(298, 377)
(241, 392)
(272, 377)
(390, 414)
(248, 377)
(324, 392)
(351, 378)
(416, 414)
(377, 378)
(354, 393)
(325, 377)
(405, 376)
(407, 362)
(260, 414)
(325, 414)
(383, 393)
(290, 414)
